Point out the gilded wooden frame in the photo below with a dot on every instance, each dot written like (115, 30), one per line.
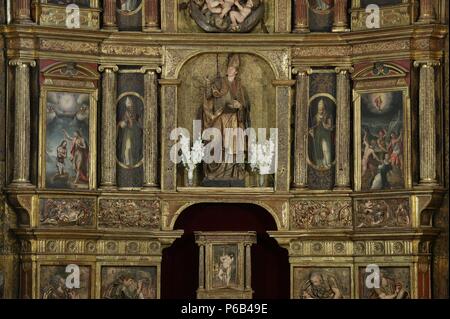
(114, 262)
(296, 262)
(399, 263)
(407, 178)
(90, 16)
(92, 132)
(55, 261)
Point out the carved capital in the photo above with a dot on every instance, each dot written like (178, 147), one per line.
(344, 69)
(426, 63)
(108, 68)
(302, 71)
(151, 69)
(19, 62)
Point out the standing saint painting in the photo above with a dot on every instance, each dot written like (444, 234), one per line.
(67, 140)
(129, 132)
(321, 132)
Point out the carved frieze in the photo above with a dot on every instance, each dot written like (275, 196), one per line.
(126, 214)
(382, 213)
(88, 247)
(388, 17)
(66, 212)
(68, 46)
(315, 214)
(130, 50)
(56, 16)
(320, 248)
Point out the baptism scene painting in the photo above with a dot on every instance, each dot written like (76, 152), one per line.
(129, 283)
(67, 149)
(322, 283)
(230, 93)
(225, 266)
(56, 283)
(382, 134)
(226, 15)
(394, 284)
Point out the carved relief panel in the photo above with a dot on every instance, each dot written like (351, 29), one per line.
(79, 14)
(370, 14)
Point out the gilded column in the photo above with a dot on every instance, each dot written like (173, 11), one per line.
(340, 19)
(109, 134)
(248, 267)
(151, 15)
(343, 131)
(151, 128)
(109, 15)
(301, 16)
(427, 122)
(169, 88)
(22, 11)
(201, 269)
(301, 127)
(427, 14)
(21, 170)
(283, 98)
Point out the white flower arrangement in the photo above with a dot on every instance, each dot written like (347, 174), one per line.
(191, 156)
(262, 157)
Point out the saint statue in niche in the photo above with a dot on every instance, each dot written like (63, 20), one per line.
(129, 136)
(321, 132)
(226, 108)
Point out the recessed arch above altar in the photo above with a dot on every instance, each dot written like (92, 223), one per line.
(175, 57)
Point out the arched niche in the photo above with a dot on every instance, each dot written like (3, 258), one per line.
(255, 75)
(270, 263)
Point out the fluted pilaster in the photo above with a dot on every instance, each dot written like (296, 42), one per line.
(301, 127)
(109, 134)
(427, 122)
(21, 168)
(343, 128)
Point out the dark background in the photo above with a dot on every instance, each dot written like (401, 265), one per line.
(270, 263)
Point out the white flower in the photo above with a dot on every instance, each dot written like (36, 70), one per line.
(262, 157)
(191, 156)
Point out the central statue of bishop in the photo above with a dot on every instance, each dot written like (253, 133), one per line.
(226, 108)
